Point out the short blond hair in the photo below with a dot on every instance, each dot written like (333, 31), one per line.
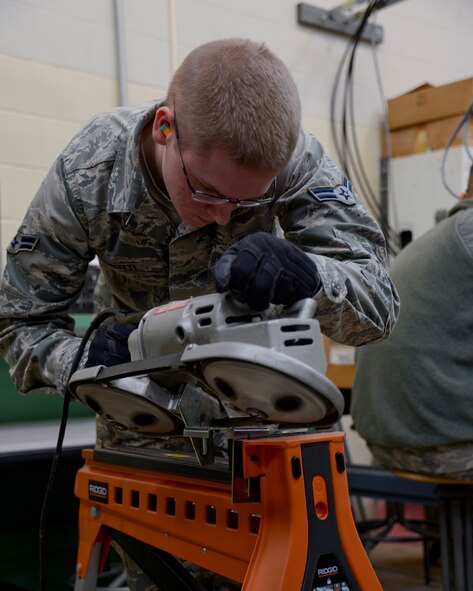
(237, 95)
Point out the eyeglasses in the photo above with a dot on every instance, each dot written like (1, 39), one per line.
(209, 199)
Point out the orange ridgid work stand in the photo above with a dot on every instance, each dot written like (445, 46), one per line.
(280, 522)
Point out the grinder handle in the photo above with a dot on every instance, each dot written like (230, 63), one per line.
(305, 308)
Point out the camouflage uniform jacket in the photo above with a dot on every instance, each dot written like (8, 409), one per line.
(98, 201)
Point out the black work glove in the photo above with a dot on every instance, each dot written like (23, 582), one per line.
(110, 344)
(261, 269)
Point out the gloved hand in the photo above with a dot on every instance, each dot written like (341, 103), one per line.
(110, 344)
(261, 269)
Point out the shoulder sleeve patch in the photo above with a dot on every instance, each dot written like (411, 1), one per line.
(22, 242)
(342, 193)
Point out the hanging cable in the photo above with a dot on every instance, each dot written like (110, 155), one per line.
(464, 120)
(392, 202)
(346, 141)
(57, 454)
(466, 143)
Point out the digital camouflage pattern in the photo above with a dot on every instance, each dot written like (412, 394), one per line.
(97, 201)
(455, 461)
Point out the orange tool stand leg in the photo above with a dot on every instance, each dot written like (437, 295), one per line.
(298, 534)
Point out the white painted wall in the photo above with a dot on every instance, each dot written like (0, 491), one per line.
(420, 197)
(58, 67)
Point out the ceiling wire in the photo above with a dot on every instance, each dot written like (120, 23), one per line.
(463, 122)
(466, 143)
(345, 139)
(392, 201)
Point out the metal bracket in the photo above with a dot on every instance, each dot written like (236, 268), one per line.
(337, 20)
(198, 409)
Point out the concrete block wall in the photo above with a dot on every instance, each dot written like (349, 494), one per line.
(58, 66)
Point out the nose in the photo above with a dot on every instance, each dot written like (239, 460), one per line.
(221, 213)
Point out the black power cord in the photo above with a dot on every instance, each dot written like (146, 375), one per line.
(345, 141)
(99, 318)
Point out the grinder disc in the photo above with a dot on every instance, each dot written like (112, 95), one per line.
(125, 409)
(280, 396)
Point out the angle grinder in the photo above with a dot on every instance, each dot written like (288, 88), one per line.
(210, 361)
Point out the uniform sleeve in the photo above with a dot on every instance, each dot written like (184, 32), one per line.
(45, 271)
(321, 213)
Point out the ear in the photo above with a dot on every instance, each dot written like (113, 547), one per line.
(162, 125)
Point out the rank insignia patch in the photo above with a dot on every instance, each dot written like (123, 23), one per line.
(341, 193)
(22, 242)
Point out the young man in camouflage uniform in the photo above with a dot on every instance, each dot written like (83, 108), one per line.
(181, 197)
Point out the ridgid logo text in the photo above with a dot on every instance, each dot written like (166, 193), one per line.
(98, 491)
(329, 570)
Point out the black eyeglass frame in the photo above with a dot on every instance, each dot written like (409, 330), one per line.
(208, 198)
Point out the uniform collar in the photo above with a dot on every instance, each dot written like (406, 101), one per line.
(126, 184)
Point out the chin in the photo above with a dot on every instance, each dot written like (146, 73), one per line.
(197, 222)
